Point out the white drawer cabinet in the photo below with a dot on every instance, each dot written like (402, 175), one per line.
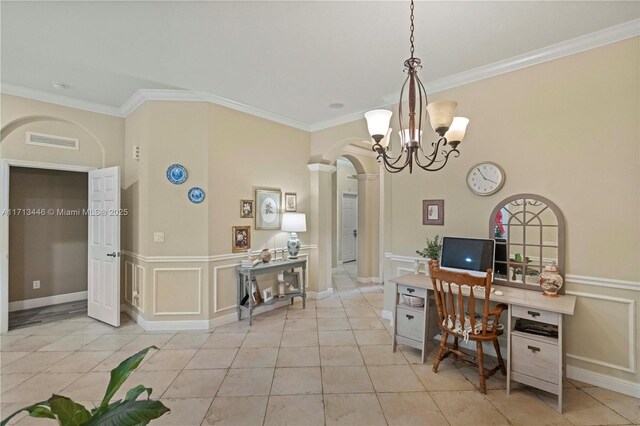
(410, 322)
(533, 359)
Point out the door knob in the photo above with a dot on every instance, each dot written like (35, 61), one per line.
(355, 233)
(114, 254)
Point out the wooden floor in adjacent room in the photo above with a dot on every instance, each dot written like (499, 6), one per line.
(47, 314)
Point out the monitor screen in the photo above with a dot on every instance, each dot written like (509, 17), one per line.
(473, 254)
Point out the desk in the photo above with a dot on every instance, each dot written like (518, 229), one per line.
(534, 360)
(245, 275)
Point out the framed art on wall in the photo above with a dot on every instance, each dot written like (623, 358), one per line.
(291, 282)
(290, 202)
(433, 212)
(246, 208)
(241, 239)
(268, 205)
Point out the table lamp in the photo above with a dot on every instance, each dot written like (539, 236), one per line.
(294, 222)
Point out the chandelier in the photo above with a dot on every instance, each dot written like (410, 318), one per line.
(413, 149)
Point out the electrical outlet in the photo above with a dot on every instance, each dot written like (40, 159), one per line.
(158, 237)
(36, 285)
(136, 152)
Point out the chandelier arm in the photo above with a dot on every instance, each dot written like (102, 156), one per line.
(444, 163)
(395, 169)
(421, 90)
(434, 155)
(400, 112)
(382, 153)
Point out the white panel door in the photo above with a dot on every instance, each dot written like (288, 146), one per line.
(349, 227)
(104, 245)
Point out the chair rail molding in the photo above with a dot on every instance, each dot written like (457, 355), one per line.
(195, 259)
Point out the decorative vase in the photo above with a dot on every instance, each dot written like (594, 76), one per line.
(265, 255)
(550, 280)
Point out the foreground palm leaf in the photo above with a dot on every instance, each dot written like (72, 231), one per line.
(127, 412)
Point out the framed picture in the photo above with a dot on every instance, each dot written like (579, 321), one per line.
(290, 202)
(291, 282)
(268, 204)
(433, 212)
(246, 208)
(241, 239)
(267, 294)
(256, 297)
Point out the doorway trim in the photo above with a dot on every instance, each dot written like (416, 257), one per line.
(4, 223)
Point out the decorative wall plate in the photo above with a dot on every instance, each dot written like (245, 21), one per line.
(196, 195)
(177, 174)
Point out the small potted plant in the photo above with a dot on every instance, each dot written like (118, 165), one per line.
(432, 250)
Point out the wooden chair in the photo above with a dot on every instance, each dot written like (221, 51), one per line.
(458, 318)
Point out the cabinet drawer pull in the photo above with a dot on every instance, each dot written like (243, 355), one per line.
(533, 348)
(409, 317)
(534, 313)
(411, 290)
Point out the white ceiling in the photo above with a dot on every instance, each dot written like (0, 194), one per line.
(291, 59)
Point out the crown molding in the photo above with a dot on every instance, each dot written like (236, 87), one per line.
(53, 98)
(556, 51)
(143, 95)
(549, 53)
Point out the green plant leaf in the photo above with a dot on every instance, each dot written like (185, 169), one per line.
(69, 413)
(40, 409)
(135, 392)
(129, 413)
(120, 374)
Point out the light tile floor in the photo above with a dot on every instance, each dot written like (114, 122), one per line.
(328, 364)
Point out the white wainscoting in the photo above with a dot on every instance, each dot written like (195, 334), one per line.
(157, 271)
(631, 341)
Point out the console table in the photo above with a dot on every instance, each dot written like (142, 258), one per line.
(246, 274)
(535, 360)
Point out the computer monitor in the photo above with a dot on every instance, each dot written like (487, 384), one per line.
(467, 254)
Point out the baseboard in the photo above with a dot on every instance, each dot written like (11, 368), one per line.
(605, 381)
(320, 295)
(369, 280)
(180, 325)
(388, 315)
(46, 301)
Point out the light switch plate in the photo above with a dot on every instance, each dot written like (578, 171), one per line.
(36, 285)
(158, 237)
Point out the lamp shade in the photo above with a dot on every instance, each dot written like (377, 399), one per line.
(457, 130)
(378, 121)
(441, 114)
(294, 222)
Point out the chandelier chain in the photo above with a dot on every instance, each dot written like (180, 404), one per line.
(411, 38)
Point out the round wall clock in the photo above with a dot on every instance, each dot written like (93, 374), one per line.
(485, 178)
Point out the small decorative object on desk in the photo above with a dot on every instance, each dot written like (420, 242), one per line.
(281, 289)
(176, 174)
(550, 280)
(265, 255)
(431, 250)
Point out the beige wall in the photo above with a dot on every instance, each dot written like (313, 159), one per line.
(51, 248)
(568, 130)
(227, 153)
(101, 136)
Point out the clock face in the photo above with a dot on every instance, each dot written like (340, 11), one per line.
(485, 178)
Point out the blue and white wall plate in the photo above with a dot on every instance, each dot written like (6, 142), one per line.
(177, 174)
(196, 195)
